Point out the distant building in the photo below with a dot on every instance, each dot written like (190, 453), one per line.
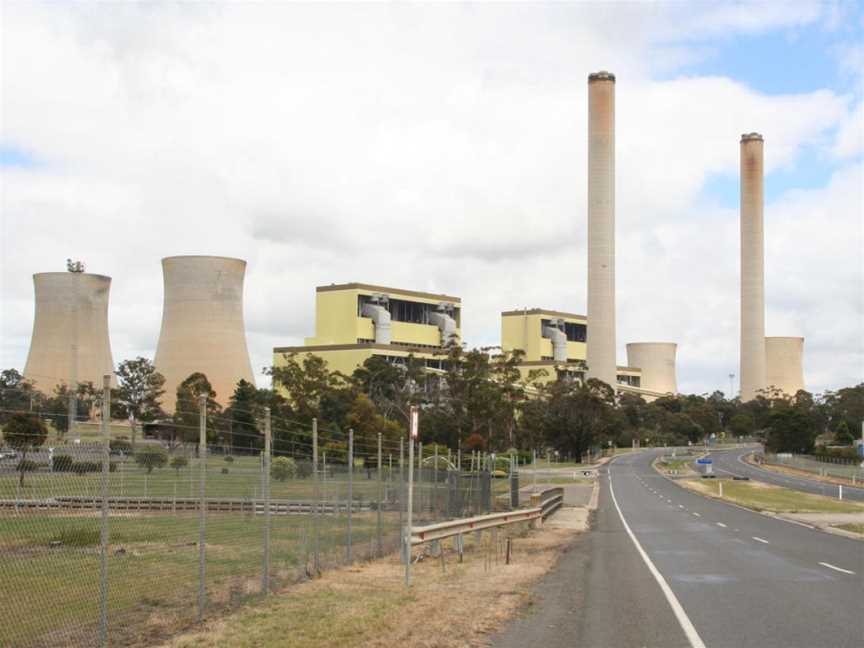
(355, 321)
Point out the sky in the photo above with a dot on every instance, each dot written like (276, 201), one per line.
(439, 147)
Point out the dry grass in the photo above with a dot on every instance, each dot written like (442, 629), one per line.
(369, 605)
(774, 499)
(800, 472)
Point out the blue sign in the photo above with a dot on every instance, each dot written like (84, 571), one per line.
(704, 461)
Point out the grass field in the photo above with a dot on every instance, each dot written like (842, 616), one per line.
(50, 564)
(854, 528)
(775, 499)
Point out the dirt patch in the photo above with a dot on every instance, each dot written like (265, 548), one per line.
(449, 604)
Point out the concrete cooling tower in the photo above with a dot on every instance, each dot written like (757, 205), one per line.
(752, 370)
(783, 363)
(202, 325)
(601, 228)
(70, 341)
(657, 361)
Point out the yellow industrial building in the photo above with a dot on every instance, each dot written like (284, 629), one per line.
(555, 341)
(355, 321)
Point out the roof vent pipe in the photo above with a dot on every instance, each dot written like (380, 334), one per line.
(559, 339)
(445, 322)
(376, 309)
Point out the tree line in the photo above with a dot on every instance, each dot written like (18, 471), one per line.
(477, 401)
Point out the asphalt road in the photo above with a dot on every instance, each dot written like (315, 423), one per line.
(731, 463)
(737, 578)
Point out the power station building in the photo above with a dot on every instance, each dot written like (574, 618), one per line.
(356, 321)
(70, 342)
(202, 325)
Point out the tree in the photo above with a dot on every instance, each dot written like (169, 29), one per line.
(580, 415)
(305, 382)
(367, 424)
(150, 457)
(187, 410)
(791, 429)
(283, 468)
(842, 436)
(24, 432)
(138, 393)
(17, 395)
(741, 425)
(241, 417)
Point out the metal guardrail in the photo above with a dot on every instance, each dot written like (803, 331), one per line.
(546, 503)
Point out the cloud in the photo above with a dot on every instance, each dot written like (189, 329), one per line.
(438, 148)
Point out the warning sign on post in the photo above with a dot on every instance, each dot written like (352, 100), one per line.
(415, 421)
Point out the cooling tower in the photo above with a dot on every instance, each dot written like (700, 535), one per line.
(657, 361)
(202, 325)
(70, 306)
(783, 365)
(752, 370)
(601, 228)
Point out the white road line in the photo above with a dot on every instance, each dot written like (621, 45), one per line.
(686, 625)
(696, 514)
(762, 540)
(680, 506)
(836, 568)
(720, 524)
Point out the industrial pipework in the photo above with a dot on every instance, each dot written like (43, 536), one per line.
(556, 334)
(445, 322)
(376, 310)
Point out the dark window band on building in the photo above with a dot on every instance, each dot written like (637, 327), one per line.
(402, 310)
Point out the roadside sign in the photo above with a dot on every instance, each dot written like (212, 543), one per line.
(415, 421)
(705, 462)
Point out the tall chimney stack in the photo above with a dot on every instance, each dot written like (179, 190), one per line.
(601, 228)
(752, 369)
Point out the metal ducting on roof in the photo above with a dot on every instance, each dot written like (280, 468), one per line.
(445, 322)
(559, 339)
(376, 310)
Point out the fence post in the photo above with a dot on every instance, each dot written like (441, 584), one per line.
(202, 501)
(380, 497)
(316, 560)
(350, 488)
(265, 580)
(402, 496)
(103, 532)
(434, 502)
(406, 533)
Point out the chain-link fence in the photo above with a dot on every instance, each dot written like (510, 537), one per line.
(119, 547)
(823, 466)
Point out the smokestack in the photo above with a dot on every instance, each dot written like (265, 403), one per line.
(202, 325)
(783, 367)
(752, 370)
(657, 362)
(70, 341)
(601, 228)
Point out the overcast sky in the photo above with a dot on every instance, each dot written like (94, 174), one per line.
(440, 148)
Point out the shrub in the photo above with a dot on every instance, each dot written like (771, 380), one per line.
(26, 465)
(229, 459)
(120, 446)
(304, 469)
(83, 467)
(283, 468)
(179, 462)
(151, 457)
(63, 463)
(225, 470)
(78, 537)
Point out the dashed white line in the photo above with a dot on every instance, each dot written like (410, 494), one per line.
(696, 514)
(762, 540)
(680, 506)
(720, 524)
(836, 568)
(683, 620)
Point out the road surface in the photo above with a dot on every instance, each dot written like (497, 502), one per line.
(733, 578)
(731, 463)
